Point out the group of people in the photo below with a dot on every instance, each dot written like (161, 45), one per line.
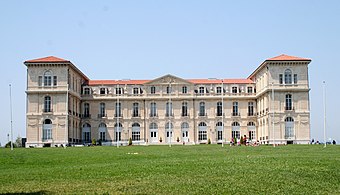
(317, 142)
(243, 141)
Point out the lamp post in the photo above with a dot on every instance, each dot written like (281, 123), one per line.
(117, 113)
(222, 114)
(170, 112)
(273, 113)
(324, 113)
(10, 105)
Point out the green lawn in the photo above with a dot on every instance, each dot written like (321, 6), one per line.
(200, 169)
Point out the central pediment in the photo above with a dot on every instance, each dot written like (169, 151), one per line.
(167, 79)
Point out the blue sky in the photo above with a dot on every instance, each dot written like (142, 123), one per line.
(189, 39)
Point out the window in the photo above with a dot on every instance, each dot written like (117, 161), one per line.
(288, 76)
(118, 109)
(101, 110)
(47, 129)
(118, 130)
(185, 133)
(289, 128)
(184, 89)
(47, 104)
(281, 79)
(118, 91)
(219, 109)
(289, 102)
(201, 90)
(86, 91)
(251, 131)
(153, 89)
(135, 132)
(153, 133)
(55, 81)
(153, 110)
(135, 90)
(48, 78)
(102, 132)
(202, 131)
(219, 128)
(184, 109)
(168, 109)
(135, 110)
(250, 89)
(86, 110)
(250, 108)
(86, 133)
(234, 89)
(102, 91)
(202, 109)
(40, 81)
(235, 131)
(295, 78)
(218, 90)
(235, 109)
(168, 90)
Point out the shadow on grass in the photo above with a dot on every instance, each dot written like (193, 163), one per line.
(24, 193)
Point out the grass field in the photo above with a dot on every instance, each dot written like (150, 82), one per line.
(200, 169)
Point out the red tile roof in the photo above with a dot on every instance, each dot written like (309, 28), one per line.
(46, 60)
(216, 81)
(284, 57)
(115, 82)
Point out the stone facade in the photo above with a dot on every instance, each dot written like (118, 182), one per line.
(66, 107)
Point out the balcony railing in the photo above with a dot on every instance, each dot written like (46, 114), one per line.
(202, 114)
(47, 110)
(86, 116)
(102, 115)
(235, 114)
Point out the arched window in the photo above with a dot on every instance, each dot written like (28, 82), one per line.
(219, 109)
(86, 133)
(289, 128)
(102, 131)
(153, 132)
(202, 131)
(135, 132)
(47, 129)
(235, 131)
(289, 102)
(48, 78)
(185, 131)
(288, 76)
(202, 109)
(251, 123)
(169, 126)
(47, 104)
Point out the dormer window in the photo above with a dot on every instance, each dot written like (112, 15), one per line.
(201, 90)
(118, 91)
(184, 89)
(250, 89)
(135, 90)
(86, 91)
(153, 90)
(234, 89)
(102, 91)
(218, 90)
(288, 76)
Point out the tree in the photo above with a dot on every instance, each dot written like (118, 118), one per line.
(130, 141)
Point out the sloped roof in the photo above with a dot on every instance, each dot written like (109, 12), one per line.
(284, 57)
(115, 82)
(216, 81)
(47, 59)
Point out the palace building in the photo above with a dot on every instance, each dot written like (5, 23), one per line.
(64, 106)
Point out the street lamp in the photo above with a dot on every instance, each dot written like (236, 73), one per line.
(273, 113)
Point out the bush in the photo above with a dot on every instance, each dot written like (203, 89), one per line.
(93, 142)
(8, 145)
(241, 140)
(209, 141)
(130, 141)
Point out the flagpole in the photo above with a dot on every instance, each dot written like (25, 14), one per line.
(324, 112)
(273, 114)
(10, 104)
